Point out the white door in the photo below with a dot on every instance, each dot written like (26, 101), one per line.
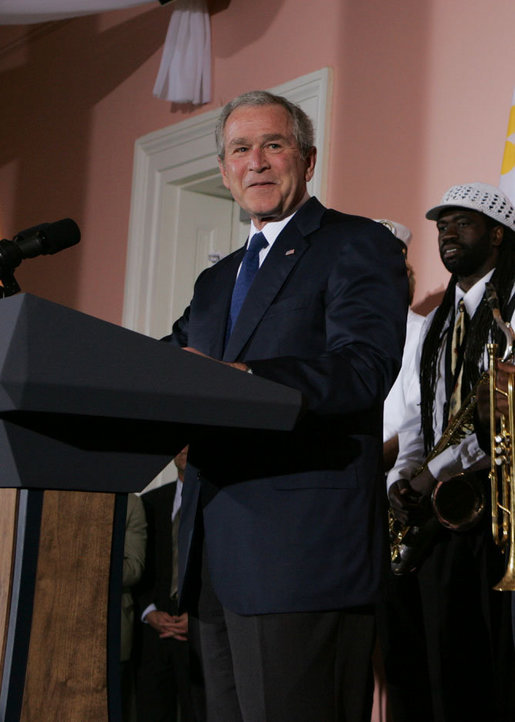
(199, 224)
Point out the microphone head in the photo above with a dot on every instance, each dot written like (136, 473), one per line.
(47, 238)
(59, 235)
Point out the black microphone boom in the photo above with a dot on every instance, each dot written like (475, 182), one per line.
(47, 238)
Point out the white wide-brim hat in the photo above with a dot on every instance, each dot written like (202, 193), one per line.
(479, 197)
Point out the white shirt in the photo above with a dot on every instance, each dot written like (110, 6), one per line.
(396, 401)
(271, 230)
(464, 456)
(177, 499)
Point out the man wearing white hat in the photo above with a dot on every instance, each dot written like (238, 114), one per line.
(468, 666)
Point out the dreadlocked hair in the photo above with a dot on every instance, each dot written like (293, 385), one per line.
(482, 330)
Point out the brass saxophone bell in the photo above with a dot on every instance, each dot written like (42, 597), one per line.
(459, 503)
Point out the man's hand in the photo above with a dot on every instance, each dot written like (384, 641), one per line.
(403, 500)
(168, 625)
(235, 364)
(409, 499)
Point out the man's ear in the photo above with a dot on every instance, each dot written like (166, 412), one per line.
(311, 160)
(221, 167)
(497, 235)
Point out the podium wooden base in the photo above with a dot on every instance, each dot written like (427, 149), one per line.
(61, 639)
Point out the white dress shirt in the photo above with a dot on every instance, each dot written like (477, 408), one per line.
(397, 400)
(467, 454)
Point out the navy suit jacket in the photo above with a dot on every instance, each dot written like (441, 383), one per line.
(296, 521)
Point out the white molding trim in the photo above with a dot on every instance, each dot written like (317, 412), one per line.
(179, 154)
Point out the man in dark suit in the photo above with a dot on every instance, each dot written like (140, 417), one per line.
(168, 675)
(282, 534)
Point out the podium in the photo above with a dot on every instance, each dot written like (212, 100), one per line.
(89, 411)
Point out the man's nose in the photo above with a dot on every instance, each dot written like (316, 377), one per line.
(258, 160)
(451, 231)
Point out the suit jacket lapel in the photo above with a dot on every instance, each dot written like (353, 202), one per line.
(285, 253)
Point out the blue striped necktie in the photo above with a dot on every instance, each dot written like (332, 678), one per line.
(249, 268)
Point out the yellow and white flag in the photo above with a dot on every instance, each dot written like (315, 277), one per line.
(507, 183)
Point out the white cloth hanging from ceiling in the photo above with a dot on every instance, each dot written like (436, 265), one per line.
(185, 72)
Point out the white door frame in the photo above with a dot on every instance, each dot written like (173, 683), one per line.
(179, 154)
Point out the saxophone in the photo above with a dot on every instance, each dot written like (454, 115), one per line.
(459, 503)
(455, 504)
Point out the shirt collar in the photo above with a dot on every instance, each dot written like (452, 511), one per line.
(472, 298)
(272, 229)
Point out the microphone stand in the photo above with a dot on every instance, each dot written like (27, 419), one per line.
(9, 285)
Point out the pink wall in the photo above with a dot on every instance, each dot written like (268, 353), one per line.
(421, 100)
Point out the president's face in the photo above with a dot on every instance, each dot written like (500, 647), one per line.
(262, 166)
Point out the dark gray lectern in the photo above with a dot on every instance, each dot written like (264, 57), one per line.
(88, 412)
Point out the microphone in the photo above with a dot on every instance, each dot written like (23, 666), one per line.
(41, 240)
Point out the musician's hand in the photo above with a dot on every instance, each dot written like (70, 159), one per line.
(404, 501)
(410, 499)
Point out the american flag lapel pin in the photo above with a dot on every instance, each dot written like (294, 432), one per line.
(290, 252)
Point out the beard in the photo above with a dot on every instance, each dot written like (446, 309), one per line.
(468, 260)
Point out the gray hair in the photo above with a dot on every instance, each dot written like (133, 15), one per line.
(302, 127)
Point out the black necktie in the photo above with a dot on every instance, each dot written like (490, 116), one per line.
(249, 268)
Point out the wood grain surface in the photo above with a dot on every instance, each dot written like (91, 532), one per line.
(66, 668)
(8, 513)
